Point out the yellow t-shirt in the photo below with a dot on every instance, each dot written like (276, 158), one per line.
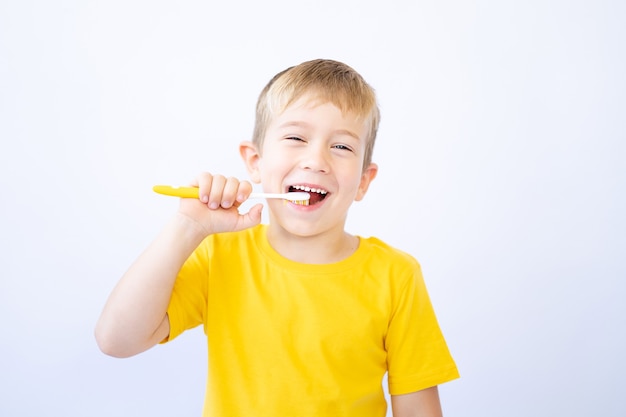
(291, 339)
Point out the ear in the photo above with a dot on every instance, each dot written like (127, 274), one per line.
(251, 157)
(367, 177)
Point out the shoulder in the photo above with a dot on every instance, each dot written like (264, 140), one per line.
(247, 236)
(383, 252)
(399, 269)
(229, 243)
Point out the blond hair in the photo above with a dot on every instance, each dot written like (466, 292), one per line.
(326, 81)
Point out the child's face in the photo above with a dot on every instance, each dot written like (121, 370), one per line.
(313, 145)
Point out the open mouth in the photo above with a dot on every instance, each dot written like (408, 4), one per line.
(317, 194)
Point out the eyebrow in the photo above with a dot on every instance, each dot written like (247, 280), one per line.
(305, 124)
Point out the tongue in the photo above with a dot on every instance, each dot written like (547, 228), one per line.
(315, 198)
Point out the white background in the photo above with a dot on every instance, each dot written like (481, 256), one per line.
(501, 156)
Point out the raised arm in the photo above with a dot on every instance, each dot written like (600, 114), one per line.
(134, 317)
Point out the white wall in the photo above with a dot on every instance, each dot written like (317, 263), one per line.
(501, 169)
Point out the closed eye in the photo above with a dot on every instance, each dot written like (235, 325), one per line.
(343, 147)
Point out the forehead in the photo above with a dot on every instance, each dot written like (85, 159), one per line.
(313, 113)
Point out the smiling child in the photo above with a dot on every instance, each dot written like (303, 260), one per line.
(301, 317)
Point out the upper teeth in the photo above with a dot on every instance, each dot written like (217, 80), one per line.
(309, 189)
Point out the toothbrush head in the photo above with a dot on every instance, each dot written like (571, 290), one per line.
(299, 198)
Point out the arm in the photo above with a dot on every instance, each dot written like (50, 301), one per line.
(424, 403)
(134, 317)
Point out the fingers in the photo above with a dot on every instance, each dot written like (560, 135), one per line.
(217, 208)
(218, 191)
(243, 192)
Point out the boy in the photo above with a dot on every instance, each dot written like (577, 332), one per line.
(302, 318)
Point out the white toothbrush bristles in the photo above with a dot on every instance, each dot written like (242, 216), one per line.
(299, 197)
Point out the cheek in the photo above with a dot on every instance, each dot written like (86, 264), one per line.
(272, 167)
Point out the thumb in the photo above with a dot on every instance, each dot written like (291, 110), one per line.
(251, 218)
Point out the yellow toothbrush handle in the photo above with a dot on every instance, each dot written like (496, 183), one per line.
(182, 192)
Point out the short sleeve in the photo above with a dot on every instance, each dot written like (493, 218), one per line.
(417, 354)
(187, 306)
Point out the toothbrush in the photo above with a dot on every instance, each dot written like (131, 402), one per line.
(299, 197)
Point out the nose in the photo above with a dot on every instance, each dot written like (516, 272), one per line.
(316, 159)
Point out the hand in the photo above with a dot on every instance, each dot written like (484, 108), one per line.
(216, 209)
